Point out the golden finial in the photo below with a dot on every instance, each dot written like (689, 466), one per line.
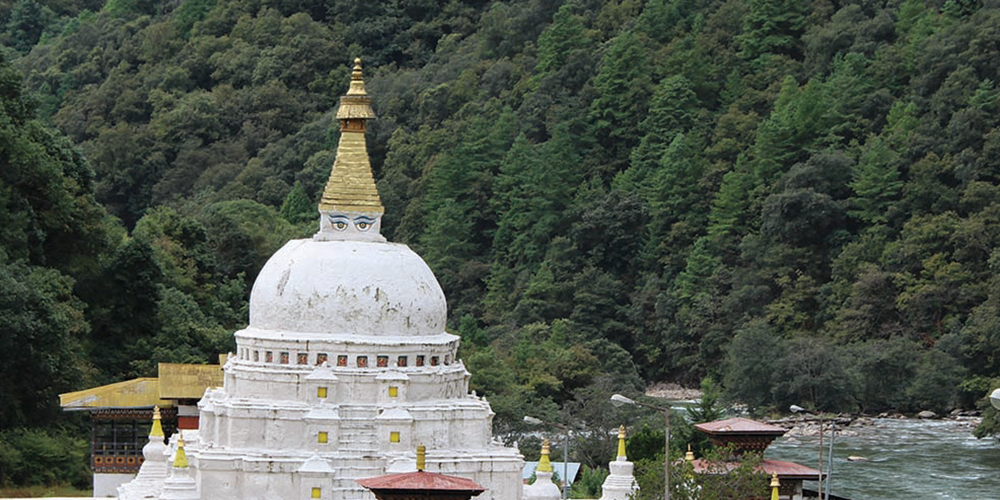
(180, 458)
(621, 441)
(689, 456)
(544, 465)
(351, 186)
(356, 103)
(357, 79)
(421, 457)
(774, 485)
(157, 429)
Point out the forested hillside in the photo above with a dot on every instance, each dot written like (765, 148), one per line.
(800, 200)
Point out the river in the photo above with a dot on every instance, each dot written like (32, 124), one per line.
(907, 460)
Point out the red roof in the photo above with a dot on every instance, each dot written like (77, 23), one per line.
(790, 470)
(421, 481)
(740, 426)
(785, 470)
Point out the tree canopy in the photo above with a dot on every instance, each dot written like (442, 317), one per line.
(612, 194)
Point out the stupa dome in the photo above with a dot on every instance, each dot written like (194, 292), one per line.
(364, 288)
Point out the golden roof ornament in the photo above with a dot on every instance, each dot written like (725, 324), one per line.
(774, 485)
(157, 429)
(351, 186)
(621, 441)
(180, 458)
(544, 465)
(356, 104)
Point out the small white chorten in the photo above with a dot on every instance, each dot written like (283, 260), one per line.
(543, 488)
(149, 481)
(620, 484)
(180, 485)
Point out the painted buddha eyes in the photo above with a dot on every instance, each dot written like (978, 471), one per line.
(339, 222)
(361, 222)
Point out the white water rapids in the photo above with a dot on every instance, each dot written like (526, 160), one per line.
(906, 460)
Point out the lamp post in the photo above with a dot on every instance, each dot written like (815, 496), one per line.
(819, 483)
(619, 400)
(565, 479)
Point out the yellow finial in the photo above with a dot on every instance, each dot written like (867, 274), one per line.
(357, 80)
(774, 485)
(180, 458)
(157, 429)
(621, 441)
(544, 465)
(689, 456)
(351, 186)
(421, 457)
(356, 103)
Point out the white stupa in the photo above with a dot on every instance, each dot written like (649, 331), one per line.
(621, 483)
(149, 481)
(543, 488)
(179, 485)
(346, 366)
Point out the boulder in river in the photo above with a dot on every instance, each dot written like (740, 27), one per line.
(926, 414)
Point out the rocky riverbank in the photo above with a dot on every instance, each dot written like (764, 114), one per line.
(853, 425)
(672, 392)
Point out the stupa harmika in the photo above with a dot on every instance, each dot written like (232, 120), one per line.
(345, 367)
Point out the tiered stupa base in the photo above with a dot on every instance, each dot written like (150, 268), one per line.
(620, 484)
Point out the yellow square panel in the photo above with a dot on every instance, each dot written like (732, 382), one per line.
(393, 391)
(321, 392)
(322, 437)
(394, 437)
(316, 492)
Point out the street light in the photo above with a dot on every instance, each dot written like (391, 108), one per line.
(995, 399)
(619, 400)
(819, 484)
(565, 482)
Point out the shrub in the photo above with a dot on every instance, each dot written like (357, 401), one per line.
(35, 457)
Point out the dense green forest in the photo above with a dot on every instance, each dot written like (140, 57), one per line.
(797, 199)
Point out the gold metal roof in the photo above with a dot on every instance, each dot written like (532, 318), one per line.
(351, 187)
(135, 393)
(178, 381)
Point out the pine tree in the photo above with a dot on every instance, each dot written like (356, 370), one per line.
(297, 207)
(773, 27)
(876, 183)
(557, 43)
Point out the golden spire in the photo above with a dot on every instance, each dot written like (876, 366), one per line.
(351, 187)
(180, 458)
(421, 457)
(621, 441)
(157, 429)
(689, 456)
(774, 485)
(357, 88)
(544, 465)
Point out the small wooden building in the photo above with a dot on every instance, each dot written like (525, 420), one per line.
(121, 415)
(745, 435)
(421, 485)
